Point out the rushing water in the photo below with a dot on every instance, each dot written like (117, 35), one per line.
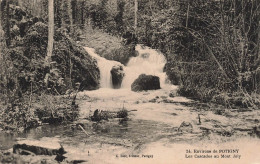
(104, 66)
(151, 128)
(148, 61)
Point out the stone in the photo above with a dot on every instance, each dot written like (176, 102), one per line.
(24, 149)
(173, 93)
(185, 127)
(117, 74)
(146, 82)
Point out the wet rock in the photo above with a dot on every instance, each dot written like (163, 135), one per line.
(219, 111)
(225, 131)
(24, 149)
(255, 131)
(59, 157)
(173, 93)
(99, 115)
(243, 128)
(163, 97)
(145, 55)
(7, 157)
(78, 161)
(185, 127)
(146, 82)
(154, 100)
(117, 74)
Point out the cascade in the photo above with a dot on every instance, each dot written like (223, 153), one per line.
(104, 66)
(148, 61)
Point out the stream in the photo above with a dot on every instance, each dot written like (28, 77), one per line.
(152, 133)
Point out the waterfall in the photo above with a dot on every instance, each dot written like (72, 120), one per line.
(104, 66)
(148, 61)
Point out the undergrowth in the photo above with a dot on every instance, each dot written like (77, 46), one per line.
(108, 46)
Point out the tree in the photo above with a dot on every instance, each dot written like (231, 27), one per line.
(136, 11)
(50, 31)
(70, 12)
(5, 18)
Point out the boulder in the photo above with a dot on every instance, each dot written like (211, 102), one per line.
(24, 149)
(146, 82)
(117, 74)
(185, 127)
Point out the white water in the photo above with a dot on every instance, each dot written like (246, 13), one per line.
(148, 61)
(104, 66)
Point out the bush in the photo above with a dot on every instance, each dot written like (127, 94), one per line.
(123, 113)
(108, 46)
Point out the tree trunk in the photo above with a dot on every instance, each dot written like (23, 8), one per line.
(82, 14)
(74, 11)
(5, 18)
(63, 13)
(50, 31)
(70, 12)
(136, 10)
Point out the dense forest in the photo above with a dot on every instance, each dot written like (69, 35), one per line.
(210, 50)
(211, 46)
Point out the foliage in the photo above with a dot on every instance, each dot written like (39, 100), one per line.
(123, 113)
(107, 46)
(216, 48)
(25, 79)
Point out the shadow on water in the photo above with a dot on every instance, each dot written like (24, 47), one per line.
(121, 132)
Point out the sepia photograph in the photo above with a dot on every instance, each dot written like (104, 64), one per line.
(130, 81)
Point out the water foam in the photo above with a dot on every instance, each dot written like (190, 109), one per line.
(148, 61)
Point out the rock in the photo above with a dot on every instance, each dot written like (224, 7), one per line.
(172, 73)
(154, 100)
(225, 131)
(256, 131)
(185, 127)
(24, 149)
(173, 93)
(117, 74)
(7, 157)
(146, 82)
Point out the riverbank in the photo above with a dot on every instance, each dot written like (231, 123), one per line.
(154, 127)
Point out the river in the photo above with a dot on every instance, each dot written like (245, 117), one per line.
(152, 132)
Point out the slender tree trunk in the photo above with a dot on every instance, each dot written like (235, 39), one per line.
(50, 31)
(187, 15)
(7, 27)
(82, 14)
(136, 10)
(74, 11)
(70, 12)
(63, 13)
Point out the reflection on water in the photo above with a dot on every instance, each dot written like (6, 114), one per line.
(113, 131)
